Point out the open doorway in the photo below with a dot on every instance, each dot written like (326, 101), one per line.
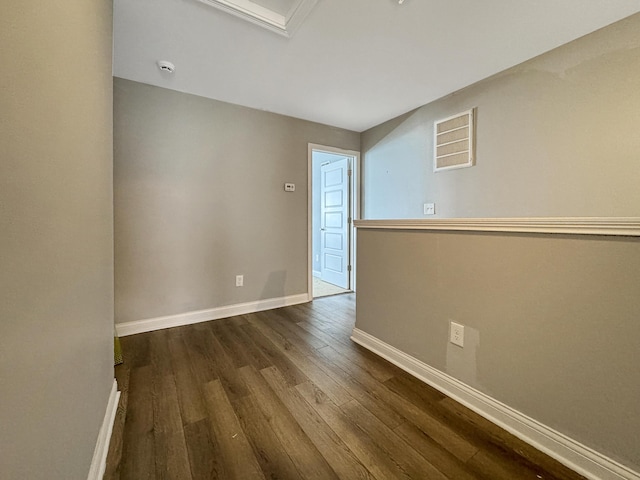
(333, 205)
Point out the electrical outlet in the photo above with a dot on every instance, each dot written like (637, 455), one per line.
(239, 280)
(289, 187)
(457, 334)
(429, 208)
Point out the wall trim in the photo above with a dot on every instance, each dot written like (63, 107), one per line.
(621, 226)
(567, 451)
(188, 318)
(99, 461)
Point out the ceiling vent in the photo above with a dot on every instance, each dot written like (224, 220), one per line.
(280, 16)
(454, 142)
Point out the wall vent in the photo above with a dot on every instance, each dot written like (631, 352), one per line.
(454, 142)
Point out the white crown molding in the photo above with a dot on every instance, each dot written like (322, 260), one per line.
(188, 318)
(567, 451)
(99, 461)
(264, 17)
(620, 226)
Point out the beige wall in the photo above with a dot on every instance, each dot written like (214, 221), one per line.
(551, 321)
(56, 274)
(556, 136)
(199, 199)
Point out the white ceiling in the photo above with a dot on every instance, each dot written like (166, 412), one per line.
(283, 7)
(352, 63)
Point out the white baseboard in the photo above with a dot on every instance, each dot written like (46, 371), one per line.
(567, 451)
(188, 318)
(99, 461)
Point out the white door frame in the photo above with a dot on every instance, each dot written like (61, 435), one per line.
(354, 212)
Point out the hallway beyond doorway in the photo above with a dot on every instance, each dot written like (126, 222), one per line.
(325, 289)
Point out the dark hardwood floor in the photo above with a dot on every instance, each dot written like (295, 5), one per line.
(286, 394)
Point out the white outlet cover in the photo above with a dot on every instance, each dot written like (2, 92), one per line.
(429, 208)
(457, 334)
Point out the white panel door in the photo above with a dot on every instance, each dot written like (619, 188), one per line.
(334, 222)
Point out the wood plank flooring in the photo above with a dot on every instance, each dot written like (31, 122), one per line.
(286, 394)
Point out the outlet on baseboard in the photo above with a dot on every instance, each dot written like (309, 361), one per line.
(239, 280)
(456, 335)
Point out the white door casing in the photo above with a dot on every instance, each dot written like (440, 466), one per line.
(354, 209)
(334, 222)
